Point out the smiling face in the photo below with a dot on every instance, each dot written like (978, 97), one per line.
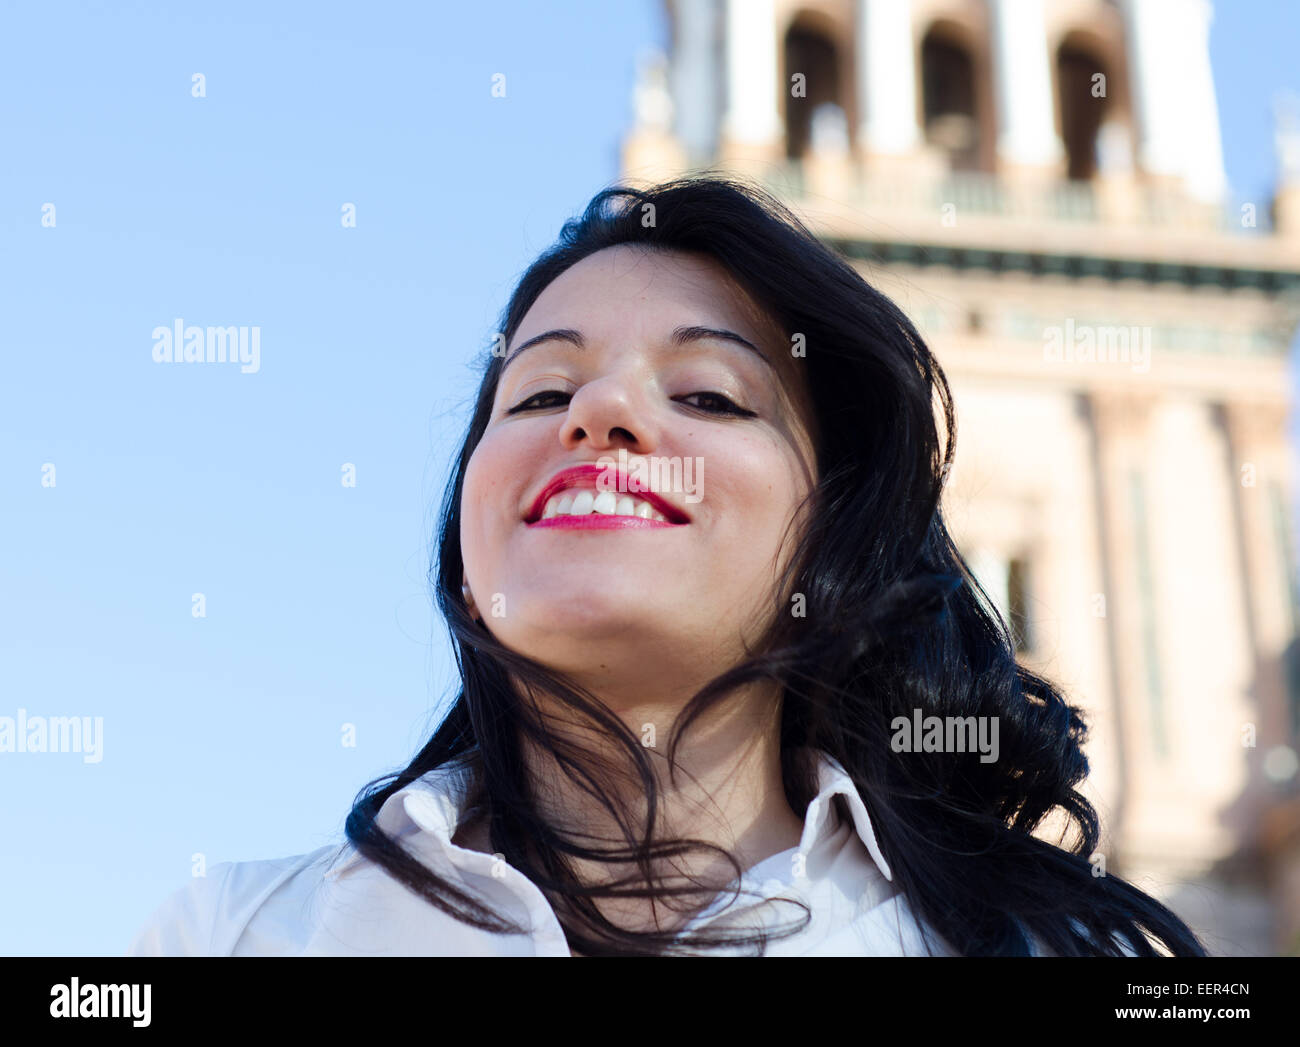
(616, 585)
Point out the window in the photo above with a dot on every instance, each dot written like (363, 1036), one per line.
(812, 54)
(948, 98)
(1083, 109)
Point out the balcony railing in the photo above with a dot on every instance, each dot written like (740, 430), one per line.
(987, 195)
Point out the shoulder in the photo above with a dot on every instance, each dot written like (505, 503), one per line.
(182, 924)
(207, 915)
(876, 923)
(893, 928)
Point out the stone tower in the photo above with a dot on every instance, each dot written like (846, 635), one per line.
(1039, 184)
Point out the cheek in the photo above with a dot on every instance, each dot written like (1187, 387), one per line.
(753, 501)
(759, 484)
(485, 507)
(763, 523)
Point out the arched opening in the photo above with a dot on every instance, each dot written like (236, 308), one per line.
(948, 98)
(1084, 89)
(813, 79)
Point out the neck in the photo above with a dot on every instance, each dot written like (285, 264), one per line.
(727, 790)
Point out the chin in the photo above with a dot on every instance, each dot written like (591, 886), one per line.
(570, 633)
(591, 595)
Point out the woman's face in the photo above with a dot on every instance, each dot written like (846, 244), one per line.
(660, 585)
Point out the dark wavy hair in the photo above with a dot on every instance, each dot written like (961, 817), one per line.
(894, 622)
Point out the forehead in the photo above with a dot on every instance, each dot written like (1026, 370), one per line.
(633, 291)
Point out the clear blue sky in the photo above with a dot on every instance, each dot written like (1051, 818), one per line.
(222, 735)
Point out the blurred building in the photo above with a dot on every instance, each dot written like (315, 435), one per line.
(1039, 184)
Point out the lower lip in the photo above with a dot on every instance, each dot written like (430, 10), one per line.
(601, 522)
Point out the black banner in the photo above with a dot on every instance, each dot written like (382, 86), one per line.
(149, 996)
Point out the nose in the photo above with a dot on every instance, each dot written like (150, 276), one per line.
(607, 414)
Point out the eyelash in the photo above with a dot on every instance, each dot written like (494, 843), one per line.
(731, 409)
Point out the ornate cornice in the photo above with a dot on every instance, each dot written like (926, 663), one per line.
(1227, 277)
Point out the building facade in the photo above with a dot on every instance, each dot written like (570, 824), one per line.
(1040, 185)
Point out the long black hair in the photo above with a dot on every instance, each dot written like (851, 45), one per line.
(893, 621)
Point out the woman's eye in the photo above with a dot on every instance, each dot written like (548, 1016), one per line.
(713, 403)
(716, 403)
(524, 405)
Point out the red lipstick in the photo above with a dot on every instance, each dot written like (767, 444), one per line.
(614, 479)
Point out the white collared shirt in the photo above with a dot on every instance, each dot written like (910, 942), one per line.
(333, 902)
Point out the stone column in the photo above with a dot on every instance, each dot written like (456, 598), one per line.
(1027, 137)
(1178, 116)
(751, 124)
(886, 75)
(651, 152)
(1286, 144)
(694, 78)
(1255, 443)
(1119, 420)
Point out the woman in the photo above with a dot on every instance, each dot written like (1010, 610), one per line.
(698, 582)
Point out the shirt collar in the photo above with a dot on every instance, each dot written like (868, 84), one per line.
(435, 802)
(833, 780)
(431, 804)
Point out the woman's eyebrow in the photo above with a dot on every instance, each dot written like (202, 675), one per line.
(564, 334)
(680, 336)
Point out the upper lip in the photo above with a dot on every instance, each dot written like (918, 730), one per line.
(586, 476)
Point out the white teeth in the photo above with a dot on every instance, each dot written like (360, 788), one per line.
(607, 503)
